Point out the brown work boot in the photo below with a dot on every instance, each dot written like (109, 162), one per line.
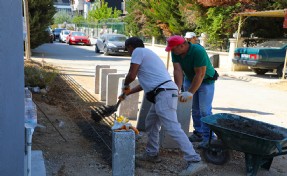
(146, 157)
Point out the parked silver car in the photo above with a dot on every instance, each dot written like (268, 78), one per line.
(111, 44)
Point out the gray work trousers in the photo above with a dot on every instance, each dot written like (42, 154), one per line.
(163, 112)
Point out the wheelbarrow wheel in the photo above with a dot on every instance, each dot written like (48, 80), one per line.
(216, 153)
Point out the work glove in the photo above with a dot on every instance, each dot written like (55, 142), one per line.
(185, 96)
(126, 89)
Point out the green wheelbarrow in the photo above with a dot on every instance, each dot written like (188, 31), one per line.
(259, 141)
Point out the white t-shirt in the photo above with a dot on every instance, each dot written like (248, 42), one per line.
(152, 70)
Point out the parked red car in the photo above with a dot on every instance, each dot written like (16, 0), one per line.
(76, 37)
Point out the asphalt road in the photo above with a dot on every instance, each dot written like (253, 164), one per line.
(238, 93)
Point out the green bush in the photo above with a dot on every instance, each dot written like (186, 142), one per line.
(36, 75)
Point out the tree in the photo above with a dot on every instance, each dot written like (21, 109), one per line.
(41, 16)
(220, 21)
(61, 17)
(135, 19)
(78, 20)
(154, 17)
(217, 18)
(103, 12)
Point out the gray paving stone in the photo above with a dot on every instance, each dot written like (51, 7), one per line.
(129, 107)
(123, 156)
(103, 81)
(112, 87)
(97, 77)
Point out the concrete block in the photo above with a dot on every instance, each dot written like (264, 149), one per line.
(97, 77)
(123, 156)
(214, 59)
(183, 116)
(144, 109)
(38, 165)
(112, 87)
(129, 107)
(103, 81)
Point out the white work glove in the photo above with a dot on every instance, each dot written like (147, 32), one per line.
(185, 96)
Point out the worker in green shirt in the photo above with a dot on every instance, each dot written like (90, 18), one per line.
(191, 60)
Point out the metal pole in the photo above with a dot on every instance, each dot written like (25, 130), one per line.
(284, 67)
(168, 58)
(27, 41)
(238, 31)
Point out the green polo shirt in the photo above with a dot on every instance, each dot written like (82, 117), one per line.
(196, 57)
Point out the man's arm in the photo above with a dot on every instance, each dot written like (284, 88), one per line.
(131, 76)
(133, 72)
(135, 90)
(178, 75)
(198, 78)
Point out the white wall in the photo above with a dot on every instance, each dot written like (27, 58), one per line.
(79, 5)
(11, 89)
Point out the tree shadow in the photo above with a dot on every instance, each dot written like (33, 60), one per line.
(238, 111)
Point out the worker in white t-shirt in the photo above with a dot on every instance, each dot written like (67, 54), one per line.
(153, 76)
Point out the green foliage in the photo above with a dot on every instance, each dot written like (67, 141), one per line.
(134, 18)
(166, 12)
(35, 75)
(61, 17)
(103, 12)
(154, 18)
(162, 18)
(41, 16)
(78, 20)
(218, 23)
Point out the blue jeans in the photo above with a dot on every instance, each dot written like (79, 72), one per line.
(201, 106)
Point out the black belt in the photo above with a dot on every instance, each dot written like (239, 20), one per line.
(162, 89)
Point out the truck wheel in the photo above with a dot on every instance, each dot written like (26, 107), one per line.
(97, 49)
(279, 71)
(105, 50)
(259, 71)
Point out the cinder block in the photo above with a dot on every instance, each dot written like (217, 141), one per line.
(145, 106)
(38, 165)
(103, 81)
(112, 87)
(214, 59)
(123, 148)
(183, 116)
(129, 107)
(97, 77)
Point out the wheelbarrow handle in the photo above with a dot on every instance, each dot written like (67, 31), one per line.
(281, 147)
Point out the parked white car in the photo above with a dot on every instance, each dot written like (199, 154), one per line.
(63, 35)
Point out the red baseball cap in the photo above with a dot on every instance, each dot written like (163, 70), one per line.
(174, 41)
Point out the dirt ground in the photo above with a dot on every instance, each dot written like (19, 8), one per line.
(74, 145)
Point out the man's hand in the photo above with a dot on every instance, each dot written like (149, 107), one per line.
(122, 97)
(185, 96)
(126, 89)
